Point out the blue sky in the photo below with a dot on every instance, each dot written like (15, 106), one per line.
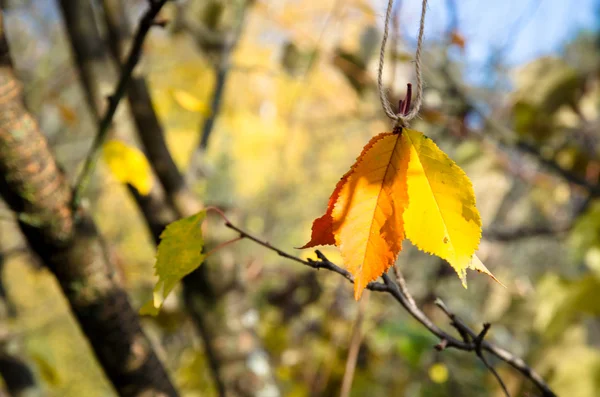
(529, 28)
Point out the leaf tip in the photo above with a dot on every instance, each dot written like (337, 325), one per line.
(358, 290)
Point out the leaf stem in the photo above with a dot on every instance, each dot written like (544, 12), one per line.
(222, 245)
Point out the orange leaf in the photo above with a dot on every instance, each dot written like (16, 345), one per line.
(364, 214)
(322, 228)
(458, 39)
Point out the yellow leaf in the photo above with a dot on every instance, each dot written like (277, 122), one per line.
(441, 217)
(190, 102)
(179, 253)
(128, 165)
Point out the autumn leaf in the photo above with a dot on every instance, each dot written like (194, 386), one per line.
(128, 165)
(322, 228)
(190, 102)
(364, 215)
(441, 217)
(402, 185)
(458, 39)
(179, 253)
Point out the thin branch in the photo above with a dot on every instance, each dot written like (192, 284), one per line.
(222, 71)
(355, 342)
(222, 68)
(147, 21)
(479, 352)
(470, 342)
(402, 284)
(467, 335)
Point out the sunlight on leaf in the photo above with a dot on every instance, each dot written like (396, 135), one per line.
(179, 253)
(128, 165)
(401, 183)
(364, 215)
(441, 217)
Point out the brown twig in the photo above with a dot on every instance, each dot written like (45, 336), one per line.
(478, 340)
(402, 285)
(470, 342)
(355, 342)
(146, 23)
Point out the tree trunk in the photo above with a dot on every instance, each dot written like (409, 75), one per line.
(70, 246)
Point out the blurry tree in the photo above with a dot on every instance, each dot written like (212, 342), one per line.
(217, 304)
(35, 189)
(285, 94)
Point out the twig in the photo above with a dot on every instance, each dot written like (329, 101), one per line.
(479, 352)
(478, 340)
(147, 21)
(402, 284)
(222, 69)
(355, 342)
(469, 342)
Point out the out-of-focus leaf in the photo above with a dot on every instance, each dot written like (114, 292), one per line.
(586, 232)
(191, 102)
(353, 68)
(67, 113)
(574, 365)
(45, 361)
(559, 302)
(438, 373)
(128, 165)
(179, 253)
(458, 39)
(295, 60)
(548, 83)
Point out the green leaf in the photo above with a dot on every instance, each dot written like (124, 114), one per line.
(179, 253)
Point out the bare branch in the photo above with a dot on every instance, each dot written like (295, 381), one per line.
(471, 341)
(147, 22)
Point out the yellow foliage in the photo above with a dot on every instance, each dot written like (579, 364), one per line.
(441, 217)
(128, 165)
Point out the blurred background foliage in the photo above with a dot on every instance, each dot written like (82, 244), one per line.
(299, 102)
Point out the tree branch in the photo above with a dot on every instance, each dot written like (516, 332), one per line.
(471, 341)
(147, 21)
